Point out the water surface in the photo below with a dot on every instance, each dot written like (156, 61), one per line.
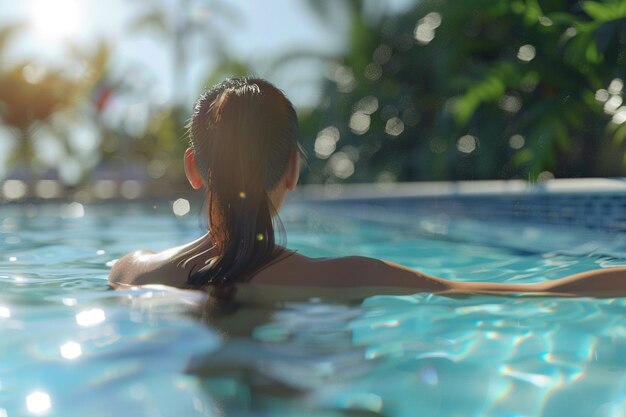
(71, 347)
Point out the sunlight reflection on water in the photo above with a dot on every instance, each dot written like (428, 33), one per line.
(66, 337)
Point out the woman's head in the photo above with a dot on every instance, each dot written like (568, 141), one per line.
(244, 151)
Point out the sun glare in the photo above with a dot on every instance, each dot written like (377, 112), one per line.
(55, 19)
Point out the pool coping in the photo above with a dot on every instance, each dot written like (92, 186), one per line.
(459, 189)
(378, 191)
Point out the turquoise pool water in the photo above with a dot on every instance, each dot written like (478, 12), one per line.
(70, 347)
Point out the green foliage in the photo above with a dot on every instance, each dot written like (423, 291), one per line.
(447, 89)
(473, 90)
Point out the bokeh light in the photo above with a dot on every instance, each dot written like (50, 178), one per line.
(517, 141)
(424, 31)
(131, 189)
(105, 189)
(340, 165)
(399, 81)
(90, 317)
(73, 210)
(48, 189)
(68, 301)
(620, 116)
(71, 350)
(616, 86)
(467, 144)
(181, 207)
(526, 53)
(359, 122)
(326, 142)
(394, 127)
(14, 189)
(38, 402)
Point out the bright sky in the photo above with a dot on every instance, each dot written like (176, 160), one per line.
(260, 32)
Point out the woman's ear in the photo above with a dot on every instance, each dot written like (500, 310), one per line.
(191, 170)
(293, 171)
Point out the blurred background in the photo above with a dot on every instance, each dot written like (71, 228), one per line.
(94, 96)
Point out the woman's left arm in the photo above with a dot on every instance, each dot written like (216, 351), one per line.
(606, 282)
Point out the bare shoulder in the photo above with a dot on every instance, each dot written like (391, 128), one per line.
(126, 270)
(349, 271)
(144, 267)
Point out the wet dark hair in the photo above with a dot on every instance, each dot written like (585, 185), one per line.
(242, 132)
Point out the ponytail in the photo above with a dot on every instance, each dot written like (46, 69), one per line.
(243, 237)
(242, 132)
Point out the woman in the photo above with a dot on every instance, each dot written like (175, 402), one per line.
(244, 153)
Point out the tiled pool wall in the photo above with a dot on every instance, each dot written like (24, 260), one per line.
(590, 203)
(597, 204)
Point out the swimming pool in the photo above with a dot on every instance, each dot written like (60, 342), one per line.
(69, 347)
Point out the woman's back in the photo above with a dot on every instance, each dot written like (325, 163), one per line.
(288, 268)
(293, 275)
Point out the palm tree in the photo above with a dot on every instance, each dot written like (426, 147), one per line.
(191, 28)
(30, 95)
